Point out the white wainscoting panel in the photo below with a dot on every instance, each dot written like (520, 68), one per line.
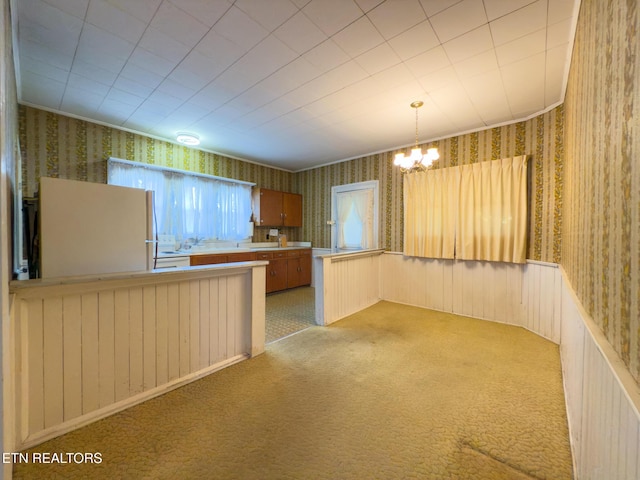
(602, 398)
(87, 349)
(525, 295)
(346, 284)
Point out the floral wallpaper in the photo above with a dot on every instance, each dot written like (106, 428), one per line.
(54, 145)
(59, 146)
(601, 206)
(540, 138)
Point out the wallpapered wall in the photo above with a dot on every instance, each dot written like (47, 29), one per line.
(601, 231)
(540, 138)
(59, 146)
(54, 145)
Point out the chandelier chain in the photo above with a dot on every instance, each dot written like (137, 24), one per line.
(416, 127)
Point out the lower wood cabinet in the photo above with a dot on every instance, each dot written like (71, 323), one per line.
(298, 268)
(213, 258)
(286, 269)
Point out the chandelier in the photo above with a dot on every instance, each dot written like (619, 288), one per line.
(416, 161)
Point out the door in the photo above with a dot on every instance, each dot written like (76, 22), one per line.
(354, 209)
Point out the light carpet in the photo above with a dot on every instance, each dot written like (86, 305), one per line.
(392, 392)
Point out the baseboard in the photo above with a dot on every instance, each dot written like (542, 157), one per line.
(74, 424)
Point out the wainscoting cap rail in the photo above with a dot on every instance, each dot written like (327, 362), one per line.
(339, 257)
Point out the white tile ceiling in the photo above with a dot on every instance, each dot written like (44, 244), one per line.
(295, 83)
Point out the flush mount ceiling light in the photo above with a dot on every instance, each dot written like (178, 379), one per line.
(190, 139)
(416, 161)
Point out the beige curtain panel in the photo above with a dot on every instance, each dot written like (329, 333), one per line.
(469, 212)
(430, 204)
(492, 217)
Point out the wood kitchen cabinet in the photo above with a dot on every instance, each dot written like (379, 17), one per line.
(276, 270)
(287, 269)
(214, 258)
(298, 268)
(272, 208)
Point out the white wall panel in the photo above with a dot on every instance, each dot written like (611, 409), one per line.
(486, 290)
(602, 398)
(349, 283)
(93, 348)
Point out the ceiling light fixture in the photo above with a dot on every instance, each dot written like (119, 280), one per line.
(416, 161)
(189, 139)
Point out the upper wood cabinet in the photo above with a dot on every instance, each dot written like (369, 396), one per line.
(272, 208)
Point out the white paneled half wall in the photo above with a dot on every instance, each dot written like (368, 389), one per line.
(602, 398)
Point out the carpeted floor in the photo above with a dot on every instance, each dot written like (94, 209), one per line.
(392, 392)
(288, 312)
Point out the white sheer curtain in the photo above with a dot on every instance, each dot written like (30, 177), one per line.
(363, 207)
(345, 204)
(470, 212)
(233, 210)
(430, 205)
(492, 218)
(355, 207)
(127, 176)
(190, 206)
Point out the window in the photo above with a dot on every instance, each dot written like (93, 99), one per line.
(352, 228)
(469, 212)
(189, 206)
(355, 216)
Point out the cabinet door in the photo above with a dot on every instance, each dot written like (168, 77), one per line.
(293, 272)
(270, 208)
(277, 275)
(207, 259)
(292, 209)
(305, 267)
(299, 268)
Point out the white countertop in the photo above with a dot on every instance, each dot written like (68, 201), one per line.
(136, 275)
(252, 247)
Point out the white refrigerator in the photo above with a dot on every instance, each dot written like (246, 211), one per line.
(93, 228)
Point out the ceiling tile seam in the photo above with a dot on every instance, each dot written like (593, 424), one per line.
(457, 74)
(546, 51)
(386, 41)
(239, 58)
(75, 52)
(509, 13)
(488, 23)
(285, 65)
(274, 73)
(178, 64)
(493, 42)
(137, 45)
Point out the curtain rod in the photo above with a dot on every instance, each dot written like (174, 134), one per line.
(177, 170)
